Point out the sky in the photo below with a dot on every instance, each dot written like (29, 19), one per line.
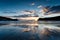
(15, 7)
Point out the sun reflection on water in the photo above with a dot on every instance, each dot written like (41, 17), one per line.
(36, 30)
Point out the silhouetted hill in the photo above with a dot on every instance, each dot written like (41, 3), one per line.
(50, 19)
(6, 19)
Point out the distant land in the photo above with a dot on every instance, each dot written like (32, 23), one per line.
(7, 19)
(40, 19)
(50, 19)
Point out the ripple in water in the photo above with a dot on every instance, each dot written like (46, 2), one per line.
(30, 31)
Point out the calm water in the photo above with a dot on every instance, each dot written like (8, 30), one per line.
(27, 30)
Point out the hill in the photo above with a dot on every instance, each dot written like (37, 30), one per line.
(50, 19)
(6, 19)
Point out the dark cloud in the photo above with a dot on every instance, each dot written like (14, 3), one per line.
(27, 11)
(53, 9)
(9, 12)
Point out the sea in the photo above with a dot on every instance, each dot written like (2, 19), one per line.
(29, 30)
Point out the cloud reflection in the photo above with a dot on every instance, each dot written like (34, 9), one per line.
(41, 31)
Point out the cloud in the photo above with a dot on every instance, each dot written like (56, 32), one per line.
(55, 9)
(39, 6)
(28, 12)
(52, 9)
(8, 12)
(47, 12)
(33, 4)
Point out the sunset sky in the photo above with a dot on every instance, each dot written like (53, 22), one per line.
(14, 7)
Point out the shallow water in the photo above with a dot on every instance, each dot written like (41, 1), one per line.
(41, 30)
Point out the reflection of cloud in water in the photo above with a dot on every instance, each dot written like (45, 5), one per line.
(32, 30)
(50, 26)
(48, 32)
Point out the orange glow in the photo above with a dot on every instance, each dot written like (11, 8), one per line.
(29, 18)
(44, 10)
